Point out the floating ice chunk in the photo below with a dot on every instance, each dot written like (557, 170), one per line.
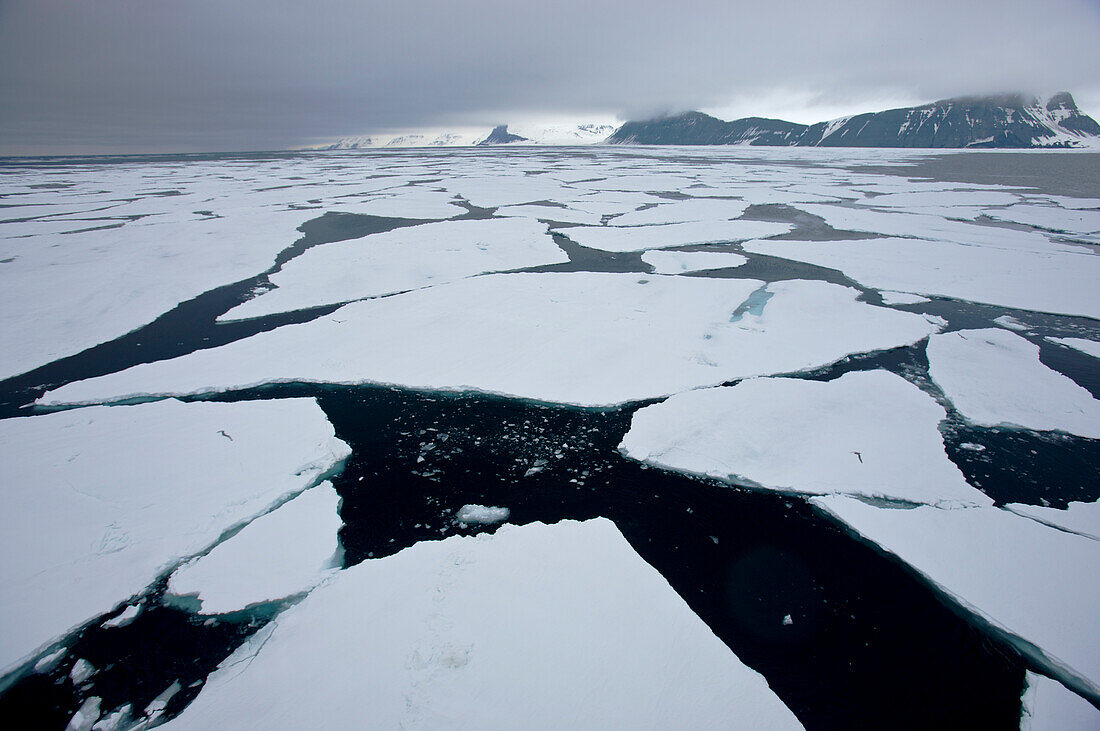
(1089, 347)
(552, 213)
(86, 716)
(407, 258)
(81, 671)
(589, 339)
(1035, 583)
(99, 502)
(901, 298)
(286, 552)
(994, 377)
(866, 433)
(1011, 323)
(46, 663)
(683, 211)
(948, 203)
(679, 262)
(128, 615)
(640, 238)
(481, 514)
(115, 720)
(1051, 218)
(1055, 281)
(1078, 517)
(1048, 706)
(488, 632)
(157, 705)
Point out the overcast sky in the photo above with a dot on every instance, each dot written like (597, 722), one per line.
(153, 75)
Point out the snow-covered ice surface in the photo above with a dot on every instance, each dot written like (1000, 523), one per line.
(99, 502)
(1048, 706)
(1059, 280)
(994, 377)
(1089, 347)
(680, 262)
(640, 238)
(404, 259)
(536, 626)
(558, 214)
(867, 433)
(286, 552)
(1031, 581)
(1077, 517)
(577, 338)
(1082, 223)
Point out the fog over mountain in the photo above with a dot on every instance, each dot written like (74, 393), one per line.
(150, 75)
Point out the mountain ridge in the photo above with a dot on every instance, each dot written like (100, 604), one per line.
(1011, 121)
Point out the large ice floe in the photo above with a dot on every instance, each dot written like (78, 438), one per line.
(286, 552)
(99, 502)
(578, 338)
(1089, 347)
(994, 377)
(1077, 517)
(407, 258)
(1056, 279)
(1033, 582)
(535, 627)
(868, 433)
(680, 262)
(640, 238)
(682, 212)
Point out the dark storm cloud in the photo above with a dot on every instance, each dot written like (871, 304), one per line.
(252, 74)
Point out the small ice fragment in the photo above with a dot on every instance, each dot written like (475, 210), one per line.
(890, 297)
(116, 719)
(481, 514)
(158, 704)
(46, 663)
(787, 621)
(1010, 322)
(536, 467)
(87, 715)
(128, 615)
(972, 447)
(82, 670)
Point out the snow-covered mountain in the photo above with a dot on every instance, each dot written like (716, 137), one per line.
(1009, 121)
(527, 134)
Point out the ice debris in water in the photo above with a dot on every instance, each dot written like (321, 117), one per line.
(481, 514)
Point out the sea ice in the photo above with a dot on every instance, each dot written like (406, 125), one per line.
(1011, 323)
(1051, 218)
(890, 297)
(99, 502)
(680, 262)
(683, 212)
(1048, 706)
(640, 238)
(411, 202)
(481, 514)
(590, 339)
(994, 377)
(556, 214)
(517, 629)
(1078, 517)
(286, 552)
(868, 433)
(1062, 282)
(85, 716)
(403, 259)
(1088, 347)
(1035, 583)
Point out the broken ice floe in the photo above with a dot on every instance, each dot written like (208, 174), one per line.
(683, 212)
(404, 259)
(640, 238)
(577, 338)
(1089, 347)
(681, 262)
(1081, 223)
(867, 433)
(99, 502)
(286, 552)
(901, 298)
(1056, 281)
(1032, 582)
(994, 377)
(482, 632)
